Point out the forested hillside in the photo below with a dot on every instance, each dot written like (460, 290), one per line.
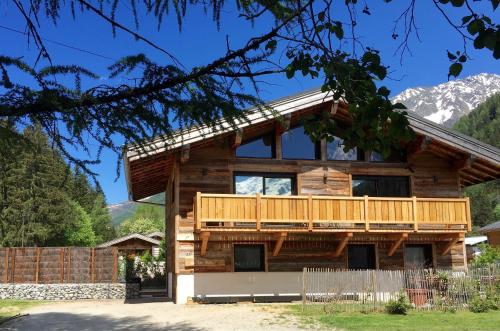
(43, 202)
(483, 123)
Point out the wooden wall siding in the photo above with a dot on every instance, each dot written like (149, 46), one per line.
(433, 176)
(296, 255)
(494, 238)
(324, 181)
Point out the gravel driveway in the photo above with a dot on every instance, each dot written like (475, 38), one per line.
(116, 315)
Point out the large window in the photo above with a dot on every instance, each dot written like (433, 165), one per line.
(270, 184)
(380, 186)
(418, 256)
(249, 258)
(296, 144)
(335, 151)
(261, 147)
(361, 257)
(396, 156)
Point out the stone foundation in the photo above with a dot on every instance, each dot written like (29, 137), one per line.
(69, 291)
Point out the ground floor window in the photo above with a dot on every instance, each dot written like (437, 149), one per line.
(249, 258)
(418, 257)
(361, 257)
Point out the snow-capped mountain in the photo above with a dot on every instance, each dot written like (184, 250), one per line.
(447, 102)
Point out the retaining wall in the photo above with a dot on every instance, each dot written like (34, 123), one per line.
(69, 291)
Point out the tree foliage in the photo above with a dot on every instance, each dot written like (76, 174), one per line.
(141, 225)
(39, 205)
(483, 123)
(168, 95)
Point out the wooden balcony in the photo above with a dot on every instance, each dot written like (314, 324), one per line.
(229, 212)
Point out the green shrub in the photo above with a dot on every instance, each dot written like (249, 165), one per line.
(479, 305)
(400, 306)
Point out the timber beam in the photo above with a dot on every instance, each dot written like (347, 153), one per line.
(464, 163)
(204, 242)
(185, 153)
(402, 237)
(421, 145)
(280, 238)
(452, 243)
(342, 244)
(283, 124)
(238, 137)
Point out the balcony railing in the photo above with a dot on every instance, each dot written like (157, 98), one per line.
(305, 213)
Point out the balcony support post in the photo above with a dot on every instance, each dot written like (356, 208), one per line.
(342, 244)
(204, 242)
(257, 211)
(367, 221)
(310, 211)
(452, 243)
(397, 243)
(414, 210)
(280, 237)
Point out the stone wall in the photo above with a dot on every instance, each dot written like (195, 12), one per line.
(69, 291)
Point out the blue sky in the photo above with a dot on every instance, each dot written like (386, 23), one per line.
(201, 42)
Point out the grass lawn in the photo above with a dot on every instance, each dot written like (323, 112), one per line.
(10, 308)
(415, 320)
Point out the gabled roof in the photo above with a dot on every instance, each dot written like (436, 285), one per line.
(142, 163)
(128, 237)
(490, 227)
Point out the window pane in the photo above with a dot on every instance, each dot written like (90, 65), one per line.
(364, 186)
(393, 187)
(261, 147)
(376, 157)
(418, 256)
(394, 157)
(361, 256)
(297, 145)
(248, 184)
(249, 258)
(278, 186)
(335, 151)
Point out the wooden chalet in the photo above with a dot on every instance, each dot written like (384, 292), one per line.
(248, 208)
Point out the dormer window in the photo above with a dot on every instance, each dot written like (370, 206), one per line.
(296, 145)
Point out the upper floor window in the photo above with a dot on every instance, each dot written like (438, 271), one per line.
(260, 147)
(335, 151)
(269, 184)
(380, 186)
(394, 157)
(296, 144)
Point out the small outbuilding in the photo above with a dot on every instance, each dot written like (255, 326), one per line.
(492, 231)
(134, 244)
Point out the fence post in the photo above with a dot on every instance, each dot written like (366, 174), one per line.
(115, 265)
(37, 264)
(92, 265)
(14, 265)
(69, 264)
(6, 275)
(304, 293)
(61, 263)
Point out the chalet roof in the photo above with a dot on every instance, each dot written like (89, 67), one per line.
(128, 237)
(490, 227)
(156, 154)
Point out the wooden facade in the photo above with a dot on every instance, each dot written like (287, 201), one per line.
(316, 225)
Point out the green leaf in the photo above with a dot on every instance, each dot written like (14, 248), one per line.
(384, 91)
(457, 3)
(495, 4)
(271, 44)
(455, 70)
(451, 56)
(462, 58)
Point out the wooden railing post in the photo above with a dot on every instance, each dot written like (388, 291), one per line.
(257, 211)
(367, 221)
(467, 212)
(310, 211)
(414, 210)
(198, 211)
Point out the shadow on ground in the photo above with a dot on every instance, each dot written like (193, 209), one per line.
(67, 321)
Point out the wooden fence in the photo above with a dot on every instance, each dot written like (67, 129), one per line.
(50, 265)
(370, 290)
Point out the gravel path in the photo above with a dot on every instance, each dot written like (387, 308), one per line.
(116, 315)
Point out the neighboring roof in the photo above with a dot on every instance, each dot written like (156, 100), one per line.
(490, 227)
(159, 163)
(471, 241)
(128, 237)
(156, 234)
